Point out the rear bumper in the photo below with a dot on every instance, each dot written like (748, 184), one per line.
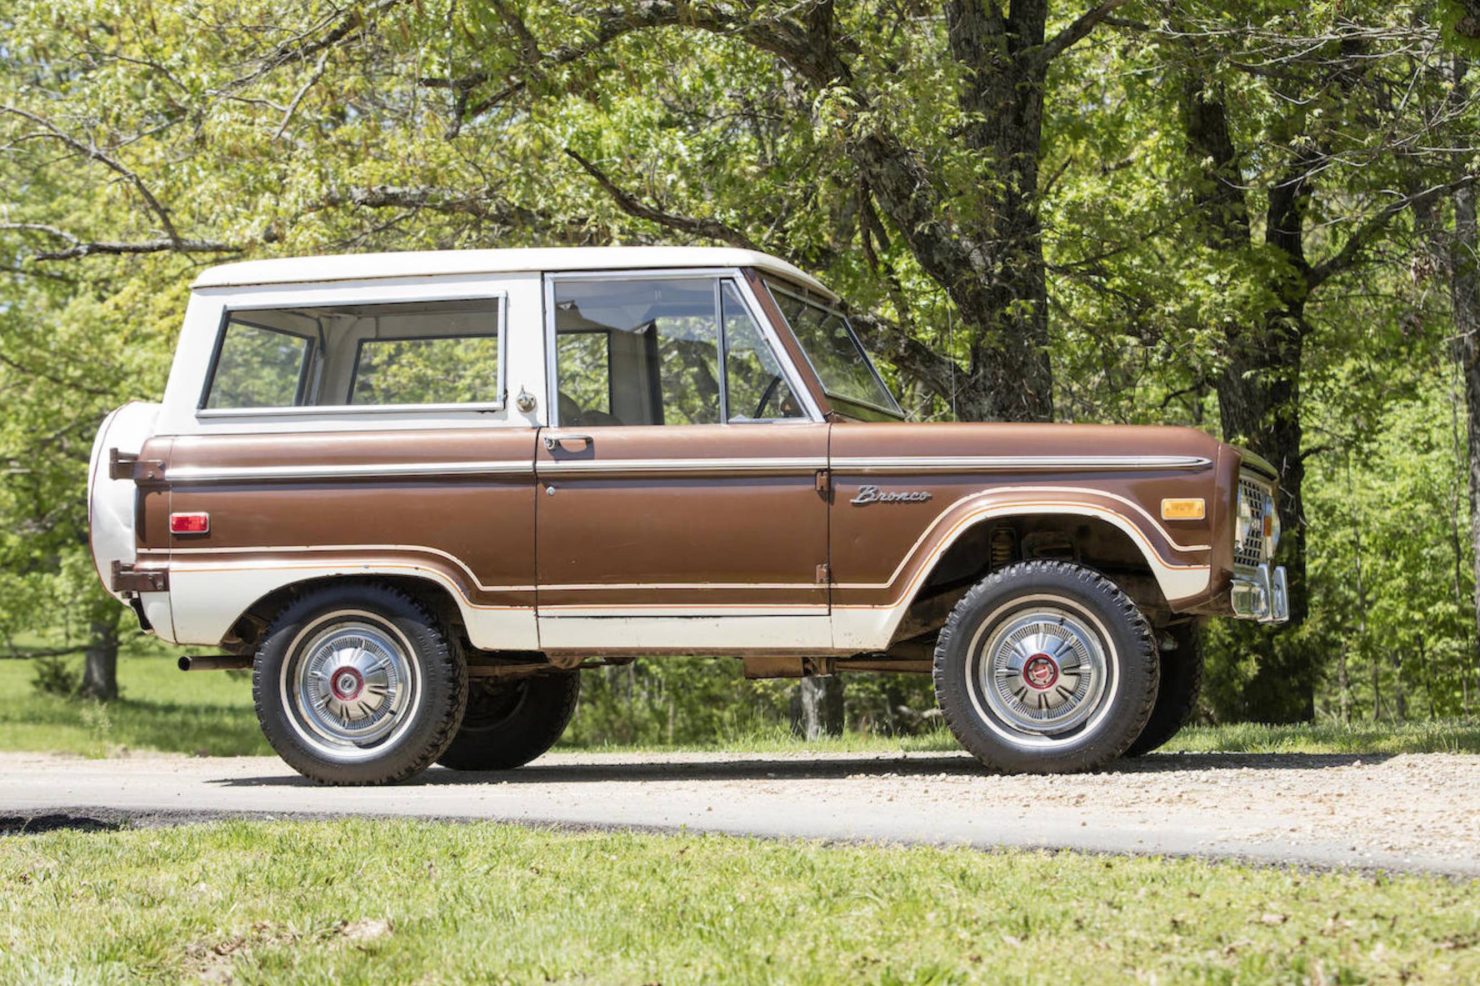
(1261, 594)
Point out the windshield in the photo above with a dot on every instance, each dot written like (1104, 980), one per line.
(833, 349)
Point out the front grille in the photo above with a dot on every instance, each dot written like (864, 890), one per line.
(1250, 551)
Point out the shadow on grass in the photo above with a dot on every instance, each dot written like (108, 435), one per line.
(829, 768)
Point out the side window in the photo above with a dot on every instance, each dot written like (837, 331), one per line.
(754, 383)
(405, 354)
(258, 366)
(641, 351)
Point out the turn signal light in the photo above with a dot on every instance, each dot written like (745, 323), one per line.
(194, 523)
(1186, 508)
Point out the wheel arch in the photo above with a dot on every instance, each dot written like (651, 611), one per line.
(1100, 531)
(246, 629)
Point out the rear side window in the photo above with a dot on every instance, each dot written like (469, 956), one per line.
(412, 354)
(258, 366)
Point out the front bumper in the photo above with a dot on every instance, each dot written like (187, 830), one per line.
(1261, 594)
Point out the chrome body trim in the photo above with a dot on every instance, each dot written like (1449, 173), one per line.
(773, 466)
(1017, 463)
(232, 474)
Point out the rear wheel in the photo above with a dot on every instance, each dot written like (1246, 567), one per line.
(1176, 698)
(508, 724)
(1046, 667)
(356, 684)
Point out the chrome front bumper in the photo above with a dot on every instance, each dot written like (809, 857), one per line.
(1261, 594)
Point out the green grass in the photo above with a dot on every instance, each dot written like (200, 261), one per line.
(379, 901)
(1430, 736)
(211, 713)
(161, 708)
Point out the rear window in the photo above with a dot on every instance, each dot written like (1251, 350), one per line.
(412, 354)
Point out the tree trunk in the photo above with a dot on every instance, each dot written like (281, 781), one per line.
(1463, 256)
(985, 252)
(1259, 399)
(1259, 389)
(100, 663)
(817, 707)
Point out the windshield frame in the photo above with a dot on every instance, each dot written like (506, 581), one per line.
(776, 287)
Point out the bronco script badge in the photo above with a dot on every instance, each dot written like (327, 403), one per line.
(872, 494)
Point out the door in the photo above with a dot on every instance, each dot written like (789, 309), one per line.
(680, 500)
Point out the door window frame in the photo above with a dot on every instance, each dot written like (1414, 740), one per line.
(717, 275)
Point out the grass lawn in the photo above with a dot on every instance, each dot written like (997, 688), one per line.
(210, 712)
(162, 708)
(372, 901)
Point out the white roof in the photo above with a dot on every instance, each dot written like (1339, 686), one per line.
(433, 263)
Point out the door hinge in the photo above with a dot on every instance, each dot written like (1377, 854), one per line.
(128, 578)
(127, 465)
(824, 574)
(824, 481)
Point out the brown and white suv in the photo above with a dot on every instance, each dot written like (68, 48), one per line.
(416, 492)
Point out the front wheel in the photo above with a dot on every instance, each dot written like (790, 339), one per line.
(1046, 667)
(357, 684)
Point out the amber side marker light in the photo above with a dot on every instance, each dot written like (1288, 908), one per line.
(193, 523)
(1187, 508)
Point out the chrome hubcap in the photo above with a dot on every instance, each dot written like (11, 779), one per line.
(351, 683)
(1042, 672)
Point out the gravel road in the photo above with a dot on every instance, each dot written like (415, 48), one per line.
(1411, 812)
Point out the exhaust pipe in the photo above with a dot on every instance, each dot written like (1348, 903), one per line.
(215, 662)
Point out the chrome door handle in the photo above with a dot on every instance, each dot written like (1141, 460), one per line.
(552, 442)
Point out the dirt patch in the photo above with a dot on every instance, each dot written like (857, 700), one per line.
(38, 822)
(215, 962)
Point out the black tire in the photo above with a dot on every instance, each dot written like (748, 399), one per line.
(433, 687)
(1043, 604)
(508, 724)
(1176, 697)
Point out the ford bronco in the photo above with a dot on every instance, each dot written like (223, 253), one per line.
(416, 493)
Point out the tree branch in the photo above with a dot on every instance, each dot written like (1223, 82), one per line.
(95, 154)
(78, 247)
(1078, 29)
(711, 229)
(908, 354)
(1369, 231)
(318, 73)
(349, 27)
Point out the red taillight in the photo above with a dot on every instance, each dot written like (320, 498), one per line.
(196, 523)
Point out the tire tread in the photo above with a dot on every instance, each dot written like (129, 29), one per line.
(452, 669)
(1088, 581)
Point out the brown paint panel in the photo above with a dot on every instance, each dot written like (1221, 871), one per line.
(485, 523)
(719, 537)
(870, 541)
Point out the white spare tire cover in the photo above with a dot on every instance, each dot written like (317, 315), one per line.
(110, 502)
